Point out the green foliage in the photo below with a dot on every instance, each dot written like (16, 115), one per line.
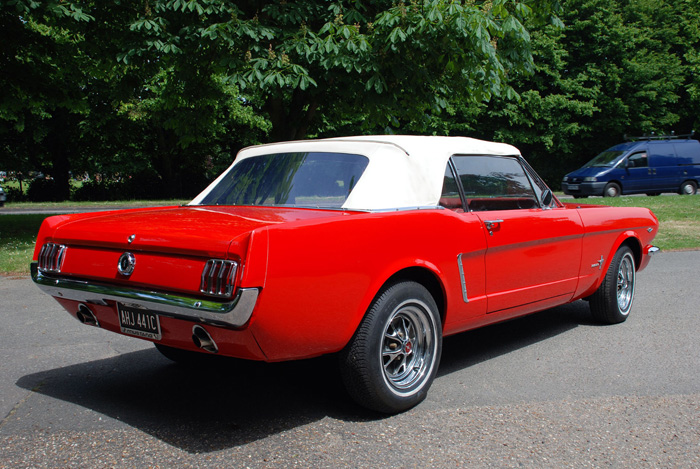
(378, 63)
(73, 107)
(43, 190)
(44, 76)
(171, 89)
(619, 67)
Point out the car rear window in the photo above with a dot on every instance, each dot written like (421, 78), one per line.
(318, 180)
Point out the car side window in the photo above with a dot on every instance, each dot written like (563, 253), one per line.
(638, 160)
(494, 183)
(450, 197)
(539, 186)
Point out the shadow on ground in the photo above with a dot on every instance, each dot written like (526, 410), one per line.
(230, 403)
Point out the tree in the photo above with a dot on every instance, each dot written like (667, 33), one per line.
(70, 105)
(377, 63)
(42, 80)
(619, 67)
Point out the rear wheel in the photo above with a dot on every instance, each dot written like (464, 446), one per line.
(611, 303)
(612, 189)
(393, 358)
(688, 188)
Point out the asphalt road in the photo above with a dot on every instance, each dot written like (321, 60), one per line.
(549, 390)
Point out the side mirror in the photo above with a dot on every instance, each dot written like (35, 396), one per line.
(547, 198)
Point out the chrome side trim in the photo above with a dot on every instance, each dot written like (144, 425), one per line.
(400, 209)
(653, 250)
(461, 278)
(234, 313)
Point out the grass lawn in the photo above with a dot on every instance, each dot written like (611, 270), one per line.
(679, 217)
(17, 238)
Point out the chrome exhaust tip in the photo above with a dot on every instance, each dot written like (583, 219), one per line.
(86, 316)
(203, 340)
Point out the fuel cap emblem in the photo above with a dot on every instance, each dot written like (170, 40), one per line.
(126, 264)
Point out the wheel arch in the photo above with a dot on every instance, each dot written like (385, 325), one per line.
(615, 181)
(630, 240)
(424, 277)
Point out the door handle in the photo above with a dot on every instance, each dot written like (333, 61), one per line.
(491, 224)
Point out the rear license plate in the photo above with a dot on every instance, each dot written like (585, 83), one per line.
(573, 187)
(139, 322)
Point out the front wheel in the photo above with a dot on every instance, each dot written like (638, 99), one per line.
(393, 358)
(612, 189)
(612, 301)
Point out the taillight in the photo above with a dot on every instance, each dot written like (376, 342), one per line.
(219, 277)
(51, 257)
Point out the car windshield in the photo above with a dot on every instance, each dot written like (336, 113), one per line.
(319, 180)
(605, 159)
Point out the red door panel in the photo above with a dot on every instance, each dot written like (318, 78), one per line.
(532, 255)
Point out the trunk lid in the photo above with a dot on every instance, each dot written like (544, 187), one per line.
(169, 246)
(200, 231)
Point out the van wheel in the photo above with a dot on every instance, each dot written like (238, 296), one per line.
(611, 190)
(688, 188)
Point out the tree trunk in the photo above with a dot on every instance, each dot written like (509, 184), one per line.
(58, 148)
(291, 121)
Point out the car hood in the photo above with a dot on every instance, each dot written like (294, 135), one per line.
(593, 171)
(192, 230)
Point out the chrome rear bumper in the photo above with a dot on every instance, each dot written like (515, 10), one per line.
(234, 313)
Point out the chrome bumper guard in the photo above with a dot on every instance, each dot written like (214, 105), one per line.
(234, 313)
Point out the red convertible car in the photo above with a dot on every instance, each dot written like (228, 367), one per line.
(373, 248)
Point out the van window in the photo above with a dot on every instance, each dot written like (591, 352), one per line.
(605, 159)
(638, 160)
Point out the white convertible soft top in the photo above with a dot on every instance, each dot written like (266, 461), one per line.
(404, 171)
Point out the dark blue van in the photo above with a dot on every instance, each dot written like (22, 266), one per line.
(649, 165)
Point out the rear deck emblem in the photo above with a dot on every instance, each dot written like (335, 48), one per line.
(126, 264)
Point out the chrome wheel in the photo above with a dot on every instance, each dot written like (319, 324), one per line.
(408, 347)
(612, 301)
(393, 357)
(625, 284)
